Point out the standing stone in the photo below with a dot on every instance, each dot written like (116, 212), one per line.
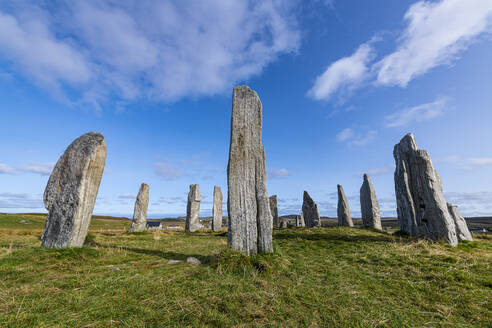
(462, 231)
(369, 205)
(310, 211)
(217, 210)
(139, 222)
(344, 218)
(274, 209)
(250, 222)
(422, 209)
(300, 221)
(71, 192)
(193, 209)
(283, 223)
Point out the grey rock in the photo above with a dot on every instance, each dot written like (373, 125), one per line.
(250, 221)
(193, 209)
(462, 231)
(71, 192)
(369, 205)
(310, 211)
(283, 224)
(422, 209)
(193, 260)
(116, 269)
(139, 222)
(173, 261)
(217, 210)
(274, 209)
(300, 221)
(343, 210)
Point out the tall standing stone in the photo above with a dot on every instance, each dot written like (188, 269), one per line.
(274, 209)
(310, 211)
(217, 210)
(462, 231)
(343, 211)
(250, 221)
(71, 192)
(139, 222)
(369, 205)
(193, 208)
(422, 209)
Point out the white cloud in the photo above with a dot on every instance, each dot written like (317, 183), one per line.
(418, 113)
(277, 173)
(156, 50)
(20, 201)
(352, 138)
(436, 34)
(345, 74)
(345, 134)
(42, 169)
(5, 169)
(471, 203)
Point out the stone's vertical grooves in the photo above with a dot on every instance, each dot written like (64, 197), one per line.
(193, 208)
(310, 211)
(250, 222)
(343, 211)
(369, 205)
(274, 209)
(71, 192)
(422, 209)
(217, 210)
(462, 231)
(139, 222)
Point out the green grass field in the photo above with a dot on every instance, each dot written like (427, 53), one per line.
(327, 277)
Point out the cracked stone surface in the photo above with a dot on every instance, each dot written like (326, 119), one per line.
(421, 206)
(139, 222)
(310, 211)
(343, 210)
(192, 223)
(369, 205)
(71, 192)
(250, 221)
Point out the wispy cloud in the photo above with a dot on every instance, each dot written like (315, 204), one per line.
(349, 136)
(127, 196)
(157, 50)
(379, 170)
(472, 203)
(20, 201)
(277, 173)
(5, 169)
(167, 171)
(344, 75)
(469, 164)
(420, 113)
(42, 169)
(436, 34)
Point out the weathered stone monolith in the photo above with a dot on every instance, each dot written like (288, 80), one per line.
(217, 210)
(193, 209)
(250, 221)
(310, 211)
(283, 223)
(462, 231)
(300, 221)
(343, 211)
(369, 205)
(139, 222)
(422, 209)
(71, 192)
(274, 209)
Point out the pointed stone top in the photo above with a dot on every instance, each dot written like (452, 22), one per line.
(408, 142)
(366, 177)
(339, 186)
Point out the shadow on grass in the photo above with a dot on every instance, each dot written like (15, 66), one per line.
(381, 237)
(205, 259)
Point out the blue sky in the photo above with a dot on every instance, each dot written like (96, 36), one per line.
(340, 81)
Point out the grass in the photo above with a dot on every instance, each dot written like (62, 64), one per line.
(328, 277)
